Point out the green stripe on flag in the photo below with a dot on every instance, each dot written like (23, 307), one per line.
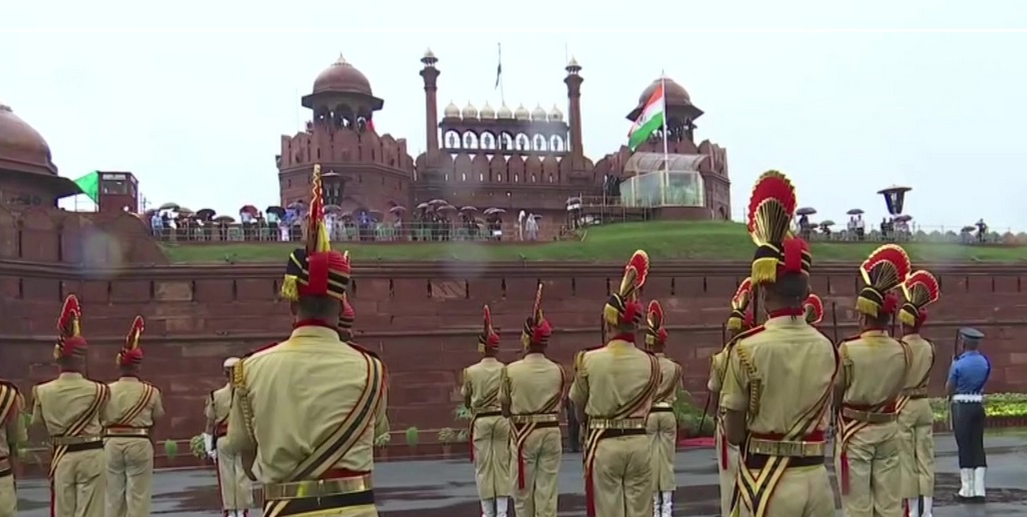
(90, 185)
(642, 133)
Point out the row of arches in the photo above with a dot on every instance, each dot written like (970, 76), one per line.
(504, 141)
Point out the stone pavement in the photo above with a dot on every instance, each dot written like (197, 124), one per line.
(445, 488)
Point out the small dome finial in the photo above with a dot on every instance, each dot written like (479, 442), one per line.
(572, 66)
(429, 59)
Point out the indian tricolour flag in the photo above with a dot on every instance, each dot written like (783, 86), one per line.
(649, 120)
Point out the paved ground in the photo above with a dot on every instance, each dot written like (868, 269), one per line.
(446, 489)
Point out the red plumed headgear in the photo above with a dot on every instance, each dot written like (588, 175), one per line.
(536, 329)
(921, 289)
(771, 209)
(131, 354)
(739, 319)
(623, 309)
(316, 269)
(885, 269)
(488, 339)
(69, 327)
(813, 307)
(655, 332)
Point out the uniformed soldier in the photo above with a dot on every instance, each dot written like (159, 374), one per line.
(12, 433)
(530, 393)
(661, 424)
(813, 309)
(965, 385)
(777, 385)
(489, 431)
(727, 454)
(233, 484)
(916, 420)
(874, 370)
(70, 407)
(614, 386)
(306, 410)
(128, 420)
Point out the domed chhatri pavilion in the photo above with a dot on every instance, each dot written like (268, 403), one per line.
(28, 177)
(513, 156)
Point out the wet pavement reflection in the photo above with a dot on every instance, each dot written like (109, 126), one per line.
(445, 488)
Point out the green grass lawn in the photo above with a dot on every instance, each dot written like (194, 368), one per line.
(666, 240)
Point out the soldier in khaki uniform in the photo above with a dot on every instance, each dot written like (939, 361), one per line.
(874, 370)
(12, 433)
(661, 424)
(70, 407)
(234, 486)
(134, 407)
(777, 385)
(614, 386)
(489, 431)
(306, 410)
(727, 454)
(916, 420)
(530, 393)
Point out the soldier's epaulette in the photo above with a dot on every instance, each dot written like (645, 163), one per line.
(745, 334)
(258, 350)
(362, 350)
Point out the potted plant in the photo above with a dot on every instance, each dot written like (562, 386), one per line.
(381, 444)
(413, 436)
(170, 450)
(446, 437)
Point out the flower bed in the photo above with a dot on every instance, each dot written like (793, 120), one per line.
(1001, 409)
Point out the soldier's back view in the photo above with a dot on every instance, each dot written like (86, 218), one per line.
(70, 407)
(12, 433)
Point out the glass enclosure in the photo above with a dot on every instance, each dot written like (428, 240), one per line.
(655, 181)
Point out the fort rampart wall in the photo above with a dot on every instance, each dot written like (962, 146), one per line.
(422, 318)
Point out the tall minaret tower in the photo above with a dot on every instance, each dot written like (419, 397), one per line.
(431, 106)
(573, 82)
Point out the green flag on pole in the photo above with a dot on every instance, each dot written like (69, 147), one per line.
(90, 185)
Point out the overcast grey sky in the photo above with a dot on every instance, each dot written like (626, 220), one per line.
(193, 96)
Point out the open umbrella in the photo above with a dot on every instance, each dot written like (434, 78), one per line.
(333, 209)
(183, 211)
(150, 212)
(469, 209)
(437, 202)
(277, 210)
(398, 209)
(968, 228)
(224, 219)
(249, 209)
(346, 215)
(827, 223)
(537, 216)
(806, 210)
(494, 210)
(168, 206)
(423, 206)
(446, 208)
(855, 211)
(905, 218)
(205, 214)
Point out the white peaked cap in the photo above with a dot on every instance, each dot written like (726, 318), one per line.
(230, 362)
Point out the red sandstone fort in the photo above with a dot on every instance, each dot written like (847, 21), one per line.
(421, 317)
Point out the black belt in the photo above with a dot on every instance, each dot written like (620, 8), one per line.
(314, 504)
(5, 473)
(757, 461)
(488, 413)
(615, 433)
(538, 425)
(662, 410)
(88, 446)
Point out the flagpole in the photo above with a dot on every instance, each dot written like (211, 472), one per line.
(502, 94)
(666, 152)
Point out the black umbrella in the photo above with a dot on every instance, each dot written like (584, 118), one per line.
(205, 214)
(277, 210)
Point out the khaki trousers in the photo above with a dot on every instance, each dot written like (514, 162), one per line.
(236, 490)
(622, 477)
(916, 449)
(492, 457)
(129, 476)
(8, 496)
(874, 476)
(542, 451)
(802, 492)
(78, 484)
(662, 428)
(726, 454)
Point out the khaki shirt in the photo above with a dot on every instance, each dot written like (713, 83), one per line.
(670, 380)
(778, 374)
(217, 409)
(921, 361)
(66, 401)
(481, 384)
(301, 392)
(134, 403)
(12, 430)
(610, 378)
(718, 367)
(533, 385)
(874, 369)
